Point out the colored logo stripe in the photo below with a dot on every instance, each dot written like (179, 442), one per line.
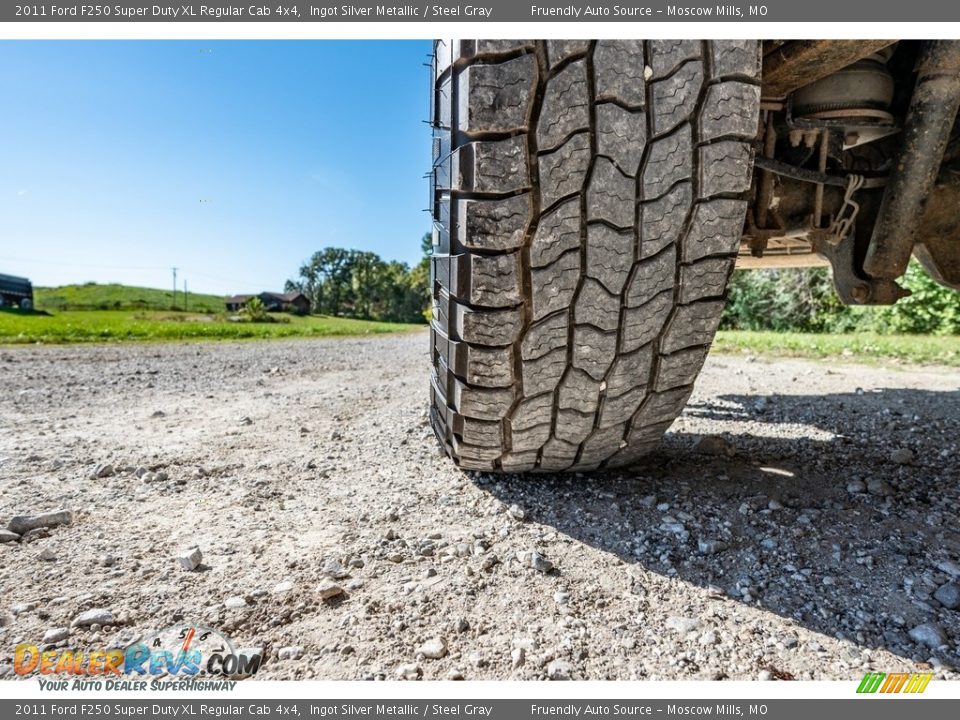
(870, 683)
(894, 683)
(918, 682)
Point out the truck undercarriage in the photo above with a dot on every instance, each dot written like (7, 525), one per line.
(856, 163)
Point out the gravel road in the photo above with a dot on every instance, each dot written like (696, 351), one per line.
(813, 533)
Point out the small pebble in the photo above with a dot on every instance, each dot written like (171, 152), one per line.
(433, 649)
(328, 590)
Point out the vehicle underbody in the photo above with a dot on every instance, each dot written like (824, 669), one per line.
(856, 163)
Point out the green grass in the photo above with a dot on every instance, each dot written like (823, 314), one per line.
(77, 326)
(859, 347)
(92, 296)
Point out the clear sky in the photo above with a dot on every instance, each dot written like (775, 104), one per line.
(233, 161)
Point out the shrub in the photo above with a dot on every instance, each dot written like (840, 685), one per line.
(804, 300)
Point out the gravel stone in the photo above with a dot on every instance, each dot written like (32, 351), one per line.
(929, 634)
(856, 486)
(536, 561)
(327, 590)
(709, 638)
(683, 625)
(21, 524)
(559, 670)
(95, 616)
(433, 649)
(902, 456)
(710, 547)
(190, 558)
(876, 486)
(101, 471)
(948, 595)
(949, 567)
(517, 512)
(55, 635)
(409, 671)
(8, 537)
(333, 569)
(291, 652)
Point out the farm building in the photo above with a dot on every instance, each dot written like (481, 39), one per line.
(16, 292)
(274, 302)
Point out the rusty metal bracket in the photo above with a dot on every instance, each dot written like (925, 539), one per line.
(845, 251)
(853, 286)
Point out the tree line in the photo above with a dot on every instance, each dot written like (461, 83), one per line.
(360, 284)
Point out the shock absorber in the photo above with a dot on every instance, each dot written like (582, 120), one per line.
(930, 118)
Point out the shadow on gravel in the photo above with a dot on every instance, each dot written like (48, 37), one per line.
(815, 516)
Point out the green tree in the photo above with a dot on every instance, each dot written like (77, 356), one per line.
(367, 282)
(361, 284)
(325, 279)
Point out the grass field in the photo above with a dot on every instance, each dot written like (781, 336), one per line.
(76, 326)
(111, 313)
(92, 296)
(858, 347)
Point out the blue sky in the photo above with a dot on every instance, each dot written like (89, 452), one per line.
(233, 161)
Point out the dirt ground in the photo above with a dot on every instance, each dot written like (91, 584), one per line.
(816, 538)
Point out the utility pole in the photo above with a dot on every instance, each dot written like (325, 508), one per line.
(174, 288)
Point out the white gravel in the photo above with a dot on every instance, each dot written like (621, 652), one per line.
(811, 537)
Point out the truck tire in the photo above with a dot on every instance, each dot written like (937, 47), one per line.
(588, 199)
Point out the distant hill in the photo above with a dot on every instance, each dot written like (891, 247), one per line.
(93, 296)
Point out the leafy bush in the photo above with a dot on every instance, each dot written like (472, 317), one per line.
(803, 300)
(931, 310)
